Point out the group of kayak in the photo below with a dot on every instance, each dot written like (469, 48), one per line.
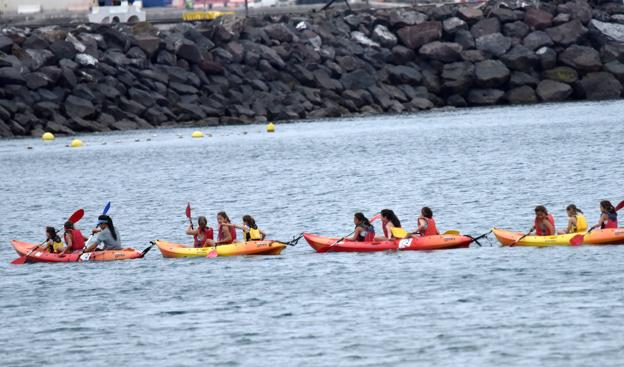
(104, 243)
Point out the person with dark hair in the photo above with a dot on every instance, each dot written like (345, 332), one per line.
(391, 226)
(608, 216)
(364, 230)
(426, 223)
(226, 234)
(53, 242)
(202, 234)
(576, 220)
(544, 222)
(105, 234)
(250, 229)
(74, 239)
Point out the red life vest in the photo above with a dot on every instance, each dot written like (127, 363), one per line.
(199, 239)
(431, 230)
(541, 230)
(611, 222)
(370, 234)
(77, 239)
(232, 233)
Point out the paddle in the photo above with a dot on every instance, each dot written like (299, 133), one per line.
(452, 231)
(104, 212)
(188, 214)
(74, 218)
(579, 238)
(520, 239)
(373, 219)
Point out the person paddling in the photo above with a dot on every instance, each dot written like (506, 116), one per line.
(227, 234)
(391, 226)
(576, 220)
(544, 222)
(53, 242)
(74, 239)
(203, 234)
(364, 230)
(250, 229)
(608, 216)
(426, 223)
(105, 234)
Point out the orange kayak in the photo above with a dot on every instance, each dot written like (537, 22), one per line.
(24, 248)
(439, 242)
(174, 250)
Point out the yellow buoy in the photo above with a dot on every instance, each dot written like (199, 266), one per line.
(76, 143)
(271, 127)
(197, 134)
(47, 136)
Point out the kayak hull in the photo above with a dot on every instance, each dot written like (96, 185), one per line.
(176, 250)
(23, 249)
(612, 236)
(439, 242)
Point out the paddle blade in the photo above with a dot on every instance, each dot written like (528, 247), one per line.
(77, 216)
(619, 206)
(577, 240)
(376, 217)
(188, 210)
(452, 231)
(106, 208)
(212, 254)
(20, 260)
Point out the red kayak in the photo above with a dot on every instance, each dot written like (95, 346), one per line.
(439, 242)
(24, 248)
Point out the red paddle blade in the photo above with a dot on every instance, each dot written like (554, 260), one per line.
(619, 206)
(212, 254)
(77, 216)
(188, 210)
(19, 261)
(376, 217)
(577, 240)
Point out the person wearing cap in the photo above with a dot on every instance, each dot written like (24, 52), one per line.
(105, 234)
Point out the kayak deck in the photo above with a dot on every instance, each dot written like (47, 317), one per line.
(24, 248)
(611, 236)
(176, 250)
(438, 242)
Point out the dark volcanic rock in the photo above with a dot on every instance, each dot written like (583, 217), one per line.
(537, 39)
(483, 97)
(485, 27)
(63, 50)
(538, 19)
(465, 39)
(457, 77)
(616, 68)
(495, 44)
(442, 51)
(470, 14)
(491, 73)
(453, 24)
(6, 44)
(547, 57)
(78, 107)
(403, 74)
(520, 58)
(581, 57)
(188, 51)
(521, 95)
(517, 29)
(11, 75)
(552, 91)
(562, 74)
(567, 33)
(420, 34)
(599, 86)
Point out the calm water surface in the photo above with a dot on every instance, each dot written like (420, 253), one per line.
(480, 306)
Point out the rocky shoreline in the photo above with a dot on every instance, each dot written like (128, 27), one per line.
(287, 67)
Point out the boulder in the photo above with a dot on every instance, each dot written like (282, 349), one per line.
(78, 107)
(36, 80)
(457, 77)
(39, 58)
(442, 51)
(456, 100)
(11, 75)
(537, 39)
(324, 81)
(504, 14)
(519, 78)
(420, 34)
(600, 86)
(567, 33)
(465, 39)
(485, 27)
(441, 12)
(516, 29)
(358, 79)
(581, 58)
(279, 32)
(211, 67)
(484, 97)
(384, 37)
(578, 9)
(612, 51)
(453, 24)
(405, 17)
(470, 14)
(188, 51)
(609, 31)
(472, 55)
(495, 44)
(520, 58)
(361, 38)
(561, 18)
(616, 68)
(149, 44)
(63, 50)
(403, 74)
(271, 56)
(521, 95)
(537, 18)
(562, 74)
(552, 91)
(491, 73)
(86, 60)
(6, 44)
(35, 42)
(547, 57)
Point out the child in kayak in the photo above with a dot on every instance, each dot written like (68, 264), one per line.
(576, 220)
(202, 234)
(105, 234)
(391, 226)
(544, 222)
(426, 223)
(53, 242)
(364, 230)
(608, 216)
(250, 229)
(227, 233)
(74, 239)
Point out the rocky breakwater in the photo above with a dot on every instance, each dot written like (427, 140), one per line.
(100, 78)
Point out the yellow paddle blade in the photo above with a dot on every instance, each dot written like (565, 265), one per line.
(398, 232)
(452, 231)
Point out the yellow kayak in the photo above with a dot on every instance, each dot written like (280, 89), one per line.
(612, 236)
(174, 250)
